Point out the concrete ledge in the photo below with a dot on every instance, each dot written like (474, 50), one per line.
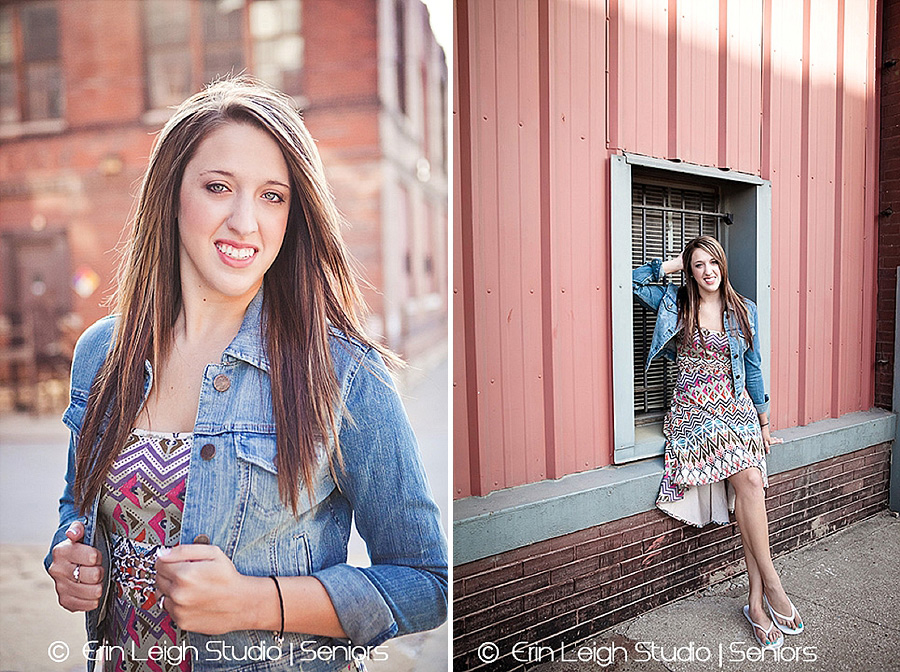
(515, 517)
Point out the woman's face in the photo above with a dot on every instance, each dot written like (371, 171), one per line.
(706, 271)
(233, 212)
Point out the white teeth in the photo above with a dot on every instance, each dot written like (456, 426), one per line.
(238, 253)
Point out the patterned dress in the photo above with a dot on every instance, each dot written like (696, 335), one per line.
(710, 432)
(141, 505)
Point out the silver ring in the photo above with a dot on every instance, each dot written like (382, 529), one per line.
(162, 602)
(76, 573)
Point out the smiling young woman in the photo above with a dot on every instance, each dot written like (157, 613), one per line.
(232, 418)
(717, 429)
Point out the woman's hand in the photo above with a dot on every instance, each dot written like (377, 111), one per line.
(201, 589)
(76, 571)
(768, 439)
(673, 265)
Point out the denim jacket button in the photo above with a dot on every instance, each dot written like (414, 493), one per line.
(201, 539)
(208, 451)
(221, 382)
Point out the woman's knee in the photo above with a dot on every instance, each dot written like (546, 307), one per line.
(748, 480)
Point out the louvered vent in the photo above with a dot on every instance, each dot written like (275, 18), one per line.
(663, 218)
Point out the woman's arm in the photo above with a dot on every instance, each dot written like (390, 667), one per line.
(755, 383)
(67, 512)
(405, 588)
(673, 265)
(753, 366)
(649, 283)
(205, 593)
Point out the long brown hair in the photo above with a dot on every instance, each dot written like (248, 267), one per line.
(310, 284)
(689, 294)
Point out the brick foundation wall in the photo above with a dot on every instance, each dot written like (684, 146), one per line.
(564, 589)
(889, 198)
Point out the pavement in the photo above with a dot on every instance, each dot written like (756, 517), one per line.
(33, 626)
(846, 587)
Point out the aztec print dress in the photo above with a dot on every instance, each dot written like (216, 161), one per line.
(141, 506)
(710, 432)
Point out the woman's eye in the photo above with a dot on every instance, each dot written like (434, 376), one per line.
(216, 187)
(273, 196)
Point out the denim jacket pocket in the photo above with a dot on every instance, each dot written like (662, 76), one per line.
(256, 453)
(267, 526)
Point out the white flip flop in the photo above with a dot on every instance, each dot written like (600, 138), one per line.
(770, 646)
(775, 616)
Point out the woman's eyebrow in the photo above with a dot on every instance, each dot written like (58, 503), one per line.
(232, 175)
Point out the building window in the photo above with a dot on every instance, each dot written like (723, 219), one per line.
(277, 43)
(222, 38)
(664, 216)
(167, 35)
(400, 53)
(190, 43)
(656, 206)
(31, 84)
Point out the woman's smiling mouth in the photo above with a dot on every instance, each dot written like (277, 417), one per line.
(236, 253)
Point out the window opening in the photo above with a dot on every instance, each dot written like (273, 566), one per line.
(664, 216)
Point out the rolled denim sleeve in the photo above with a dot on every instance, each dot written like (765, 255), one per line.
(405, 588)
(649, 284)
(752, 363)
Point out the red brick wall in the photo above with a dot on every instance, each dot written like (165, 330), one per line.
(888, 226)
(84, 179)
(567, 588)
(101, 49)
(340, 81)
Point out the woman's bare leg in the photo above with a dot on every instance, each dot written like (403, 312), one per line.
(750, 511)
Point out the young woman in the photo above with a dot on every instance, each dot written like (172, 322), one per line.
(717, 429)
(232, 417)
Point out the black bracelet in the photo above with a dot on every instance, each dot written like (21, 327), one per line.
(765, 425)
(279, 636)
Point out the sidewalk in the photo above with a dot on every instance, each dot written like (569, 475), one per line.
(32, 468)
(846, 586)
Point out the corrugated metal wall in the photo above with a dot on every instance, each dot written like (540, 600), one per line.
(547, 90)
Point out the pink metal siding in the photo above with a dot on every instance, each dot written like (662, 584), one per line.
(548, 90)
(579, 241)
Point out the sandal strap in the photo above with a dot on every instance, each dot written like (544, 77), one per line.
(790, 618)
(764, 630)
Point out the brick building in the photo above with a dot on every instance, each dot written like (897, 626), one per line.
(889, 202)
(85, 84)
(887, 394)
(592, 136)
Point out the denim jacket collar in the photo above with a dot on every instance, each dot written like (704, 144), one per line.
(248, 345)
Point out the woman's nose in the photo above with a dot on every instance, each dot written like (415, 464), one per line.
(243, 217)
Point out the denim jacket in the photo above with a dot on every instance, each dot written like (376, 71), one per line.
(653, 290)
(232, 501)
